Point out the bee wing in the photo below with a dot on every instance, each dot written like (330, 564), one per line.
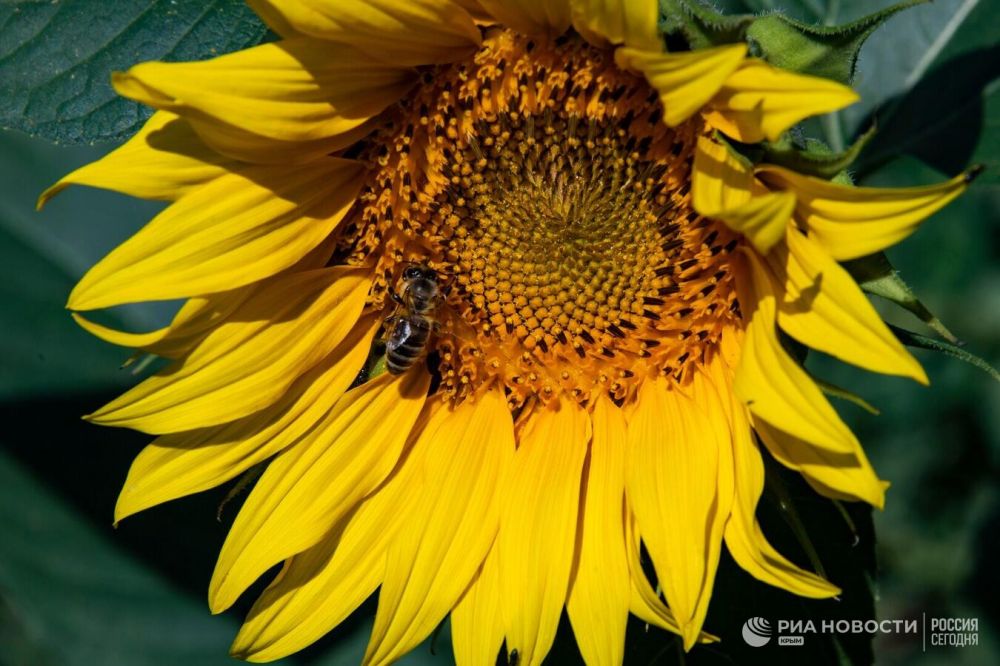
(398, 334)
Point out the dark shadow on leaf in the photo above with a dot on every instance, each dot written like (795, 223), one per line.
(86, 465)
(939, 120)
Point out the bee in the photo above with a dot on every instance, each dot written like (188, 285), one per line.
(411, 327)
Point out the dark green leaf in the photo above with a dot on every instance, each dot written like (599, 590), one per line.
(923, 342)
(56, 58)
(41, 256)
(912, 44)
(827, 51)
(929, 80)
(70, 598)
(43, 350)
(948, 120)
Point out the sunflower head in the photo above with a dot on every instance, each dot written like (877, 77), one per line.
(538, 178)
(588, 266)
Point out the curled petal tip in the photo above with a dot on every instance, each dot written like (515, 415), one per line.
(690, 636)
(240, 653)
(119, 79)
(974, 172)
(44, 197)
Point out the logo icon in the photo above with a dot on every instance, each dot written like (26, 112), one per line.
(756, 631)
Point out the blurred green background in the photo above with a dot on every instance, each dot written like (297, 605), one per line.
(73, 590)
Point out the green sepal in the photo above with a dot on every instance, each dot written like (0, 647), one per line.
(923, 342)
(247, 479)
(876, 275)
(778, 493)
(699, 26)
(842, 510)
(812, 157)
(827, 51)
(374, 365)
(845, 394)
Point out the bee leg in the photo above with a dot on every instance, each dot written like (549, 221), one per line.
(396, 298)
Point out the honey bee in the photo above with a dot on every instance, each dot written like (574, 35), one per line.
(411, 327)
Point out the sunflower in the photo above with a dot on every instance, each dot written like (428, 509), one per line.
(610, 283)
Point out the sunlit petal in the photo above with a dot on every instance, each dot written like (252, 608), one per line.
(536, 547)
(298, 99)
(237, 229)
(686, 81)
(416, 32)
(449, 529)
(600, 591)
(770, 382)
(760, 101)
(851, 222)
(165, 160)
(825, 309)
(618, 22)
(531, 17)
(309, 487)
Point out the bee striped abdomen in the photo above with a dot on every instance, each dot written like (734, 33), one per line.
(406, 343)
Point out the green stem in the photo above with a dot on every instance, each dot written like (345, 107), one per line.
(792, 518)
(833, 130)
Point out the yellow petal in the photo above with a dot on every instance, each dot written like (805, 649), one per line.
(673, 487)
(685, 81)
(176, 465)
(769, 381)
(199, 315)
(843, 476)
(644, 602)
(449, 529)
(762, 220)
(196, 318)
(600, 590)
(759, 101)
(723, 186)
(309, 487)
(851, 222)
(721, 179)
(824, 308)
(619, 22)
(744, 538)
(164, 160)
(532, 17)
(288, 101)
(476, 623)
(416, 32)
(536, 547)
(309, 597)
(251, 359)
(475, 10)
(237, 229)
(318, 588)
